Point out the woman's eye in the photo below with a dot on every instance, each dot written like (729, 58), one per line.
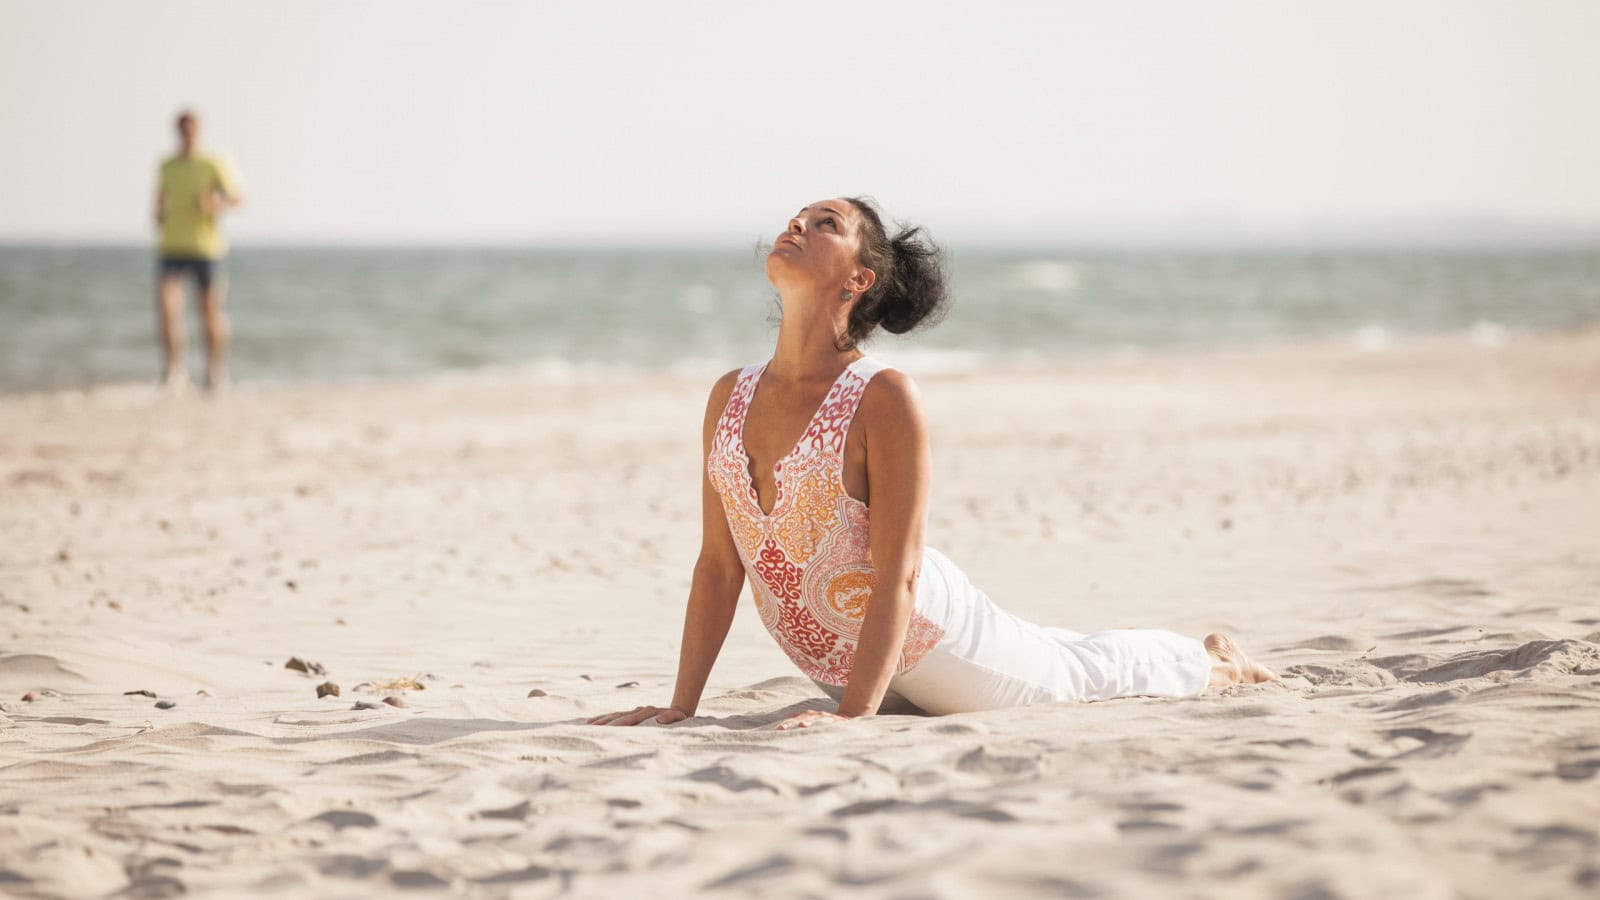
(829, 222)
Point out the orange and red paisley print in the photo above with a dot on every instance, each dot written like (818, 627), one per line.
(808, 561)
(781, 576)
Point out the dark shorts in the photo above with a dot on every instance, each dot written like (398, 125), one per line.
(201, 270)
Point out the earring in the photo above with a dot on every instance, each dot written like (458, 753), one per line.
(848, 296)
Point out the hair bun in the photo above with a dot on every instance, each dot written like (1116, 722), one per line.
(911, 289)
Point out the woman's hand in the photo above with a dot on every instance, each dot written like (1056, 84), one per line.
(810, 717)
(663, 715)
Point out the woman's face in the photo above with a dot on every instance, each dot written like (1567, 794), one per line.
(821, 247)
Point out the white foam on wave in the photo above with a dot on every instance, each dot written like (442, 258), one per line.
(1489, 335)
(1050, 276)
(556, 370)
(700, 299)
(1373, 339)
(932, 361)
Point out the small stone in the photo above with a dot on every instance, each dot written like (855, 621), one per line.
(585, 678)
(202, 693)
(29, 697)
(327, 688)
(394, 701)
(114, 604)
(63, 556)
(628, 684)
(140, 693)
(291, 585)
(165, 704)
(365, 704)
(302, 665)
(538, 693)
(340, 621)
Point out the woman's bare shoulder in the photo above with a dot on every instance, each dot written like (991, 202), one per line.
(892, 398)
(724, 384)
(720, 392)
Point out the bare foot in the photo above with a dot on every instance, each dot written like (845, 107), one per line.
(175, 383)
(1232, 666)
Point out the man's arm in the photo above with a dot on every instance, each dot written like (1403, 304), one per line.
(227, 186)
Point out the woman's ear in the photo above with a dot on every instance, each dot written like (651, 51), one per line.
(860, 281)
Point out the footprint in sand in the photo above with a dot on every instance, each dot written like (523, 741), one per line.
(341, 819)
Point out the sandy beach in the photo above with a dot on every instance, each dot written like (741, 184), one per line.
(1411, 536)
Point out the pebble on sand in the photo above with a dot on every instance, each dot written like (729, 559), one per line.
(538, 693)
(628, 684)
(327, 688)
(165, 704)
(140, 693)
(365, 704)
(303, 665)
(29, 697)
(394, 701)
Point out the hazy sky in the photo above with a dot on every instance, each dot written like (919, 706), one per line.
(712, 122)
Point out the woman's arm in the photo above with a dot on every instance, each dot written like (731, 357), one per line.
(898, 473)
(713, 594)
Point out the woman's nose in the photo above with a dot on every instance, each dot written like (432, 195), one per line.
(796, 226)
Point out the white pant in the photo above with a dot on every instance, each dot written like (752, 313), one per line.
(994, 660)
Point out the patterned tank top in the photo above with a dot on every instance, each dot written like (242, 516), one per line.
(809, 561)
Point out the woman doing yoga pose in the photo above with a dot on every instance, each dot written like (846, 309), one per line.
(798, 449)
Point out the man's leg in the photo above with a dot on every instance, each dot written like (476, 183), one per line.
(169, 309)
(215, 315)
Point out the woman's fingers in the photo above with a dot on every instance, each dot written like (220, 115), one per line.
(616, 717)
(808, 717)
(663, 716)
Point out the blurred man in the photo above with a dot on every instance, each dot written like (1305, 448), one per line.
(193, 191)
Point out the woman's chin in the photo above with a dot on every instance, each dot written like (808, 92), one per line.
(779, 261)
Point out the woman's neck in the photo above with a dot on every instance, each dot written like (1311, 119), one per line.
(809, 337)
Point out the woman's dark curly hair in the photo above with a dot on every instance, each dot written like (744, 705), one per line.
(910, 290)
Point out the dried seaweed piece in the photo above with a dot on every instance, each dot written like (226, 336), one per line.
(403, 683)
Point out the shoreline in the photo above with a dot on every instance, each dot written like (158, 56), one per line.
(1369, 342)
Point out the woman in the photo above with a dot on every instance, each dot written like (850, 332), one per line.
(798, 448)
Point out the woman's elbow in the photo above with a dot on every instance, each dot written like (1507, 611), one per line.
(726, 574)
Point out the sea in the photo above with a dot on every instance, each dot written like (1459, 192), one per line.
(79, 317)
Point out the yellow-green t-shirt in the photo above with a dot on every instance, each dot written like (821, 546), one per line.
(186, 230)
